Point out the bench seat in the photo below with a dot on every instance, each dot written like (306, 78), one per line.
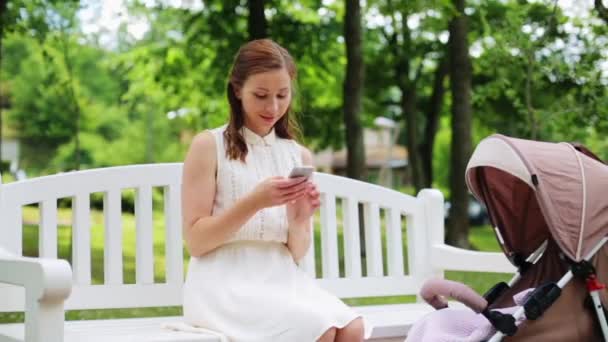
(390, 322)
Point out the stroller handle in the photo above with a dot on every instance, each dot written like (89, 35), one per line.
(436, 290)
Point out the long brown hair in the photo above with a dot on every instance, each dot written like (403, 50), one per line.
(255, 57)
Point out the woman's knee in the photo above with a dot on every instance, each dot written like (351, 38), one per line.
(328, 336)
(353, 331)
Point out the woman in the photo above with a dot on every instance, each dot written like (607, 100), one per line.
(246, 225)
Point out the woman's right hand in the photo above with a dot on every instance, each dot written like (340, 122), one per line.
(275, 191)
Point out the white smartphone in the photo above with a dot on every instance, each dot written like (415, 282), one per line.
(301, 171)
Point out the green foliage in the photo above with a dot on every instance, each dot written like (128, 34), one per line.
(531, 81)
(441, 158)
(40, 110)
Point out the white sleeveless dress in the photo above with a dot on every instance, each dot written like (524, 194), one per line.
(250, 289)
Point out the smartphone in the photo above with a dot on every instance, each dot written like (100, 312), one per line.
(301, 171)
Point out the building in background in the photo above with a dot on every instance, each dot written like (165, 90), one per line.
(10, 155)
(379, 154)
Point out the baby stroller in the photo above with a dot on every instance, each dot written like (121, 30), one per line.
(548, 203)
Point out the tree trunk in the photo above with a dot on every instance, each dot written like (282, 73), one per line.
(432, 123)
(601, 10)
(256, 22)
(408, 107)
(460, 79)
(532, 117)
(409, 98)
(353, 87)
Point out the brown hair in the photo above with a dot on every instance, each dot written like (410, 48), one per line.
(255, 57)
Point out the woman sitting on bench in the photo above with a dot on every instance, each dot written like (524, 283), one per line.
(247, 225)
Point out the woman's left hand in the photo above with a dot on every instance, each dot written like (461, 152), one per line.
(300, 210)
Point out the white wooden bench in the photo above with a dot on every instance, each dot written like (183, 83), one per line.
(46, 286)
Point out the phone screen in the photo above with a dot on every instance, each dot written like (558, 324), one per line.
(301, 171)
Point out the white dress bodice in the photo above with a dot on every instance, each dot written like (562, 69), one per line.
(267, 156)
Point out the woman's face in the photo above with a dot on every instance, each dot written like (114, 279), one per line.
(265, 98)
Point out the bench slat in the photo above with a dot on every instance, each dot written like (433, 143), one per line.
(103, 296)
(418, 257)
(329, 234)
(372, 286)
(344, 187)
(81, 240)
(12, 227)
(68, 184)
(373, 243)
(454, 258)
(173, 235)
(47, 240)
(352, 242)
(144, 271)
(113, 237)
(394, 242)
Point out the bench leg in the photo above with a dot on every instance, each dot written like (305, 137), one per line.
(44, 321)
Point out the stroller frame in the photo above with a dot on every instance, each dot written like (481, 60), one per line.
(498, 336)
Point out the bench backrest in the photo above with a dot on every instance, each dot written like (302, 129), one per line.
(386, 269)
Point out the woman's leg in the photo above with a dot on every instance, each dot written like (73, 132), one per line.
(328, 336)
(353, 332)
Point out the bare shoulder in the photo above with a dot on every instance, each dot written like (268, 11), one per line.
(201, 152)
(203, 141)
(307, 158)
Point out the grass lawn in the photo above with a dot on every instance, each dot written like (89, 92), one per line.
(481, 237)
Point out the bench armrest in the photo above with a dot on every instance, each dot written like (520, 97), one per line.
(47, 283)
(448, 257)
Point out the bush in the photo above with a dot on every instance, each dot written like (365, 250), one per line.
(5, 166)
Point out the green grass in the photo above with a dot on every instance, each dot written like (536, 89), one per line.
(481, 237)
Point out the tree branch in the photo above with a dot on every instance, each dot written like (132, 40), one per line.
(601, 10)
(528, 95)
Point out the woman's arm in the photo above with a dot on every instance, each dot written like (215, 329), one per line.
(204, 232)
(300, 216)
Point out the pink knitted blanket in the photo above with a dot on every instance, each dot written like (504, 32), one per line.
(458, 325)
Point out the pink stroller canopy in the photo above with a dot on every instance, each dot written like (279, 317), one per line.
(534, 190)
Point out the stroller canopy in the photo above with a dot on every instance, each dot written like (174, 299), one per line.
(534, 190)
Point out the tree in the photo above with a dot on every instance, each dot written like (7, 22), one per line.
(539, 74)
(602, 11)
(352, 93)
(433, 112)
(353, 88)
(460, 83)
(256, 21)
(19, 15)
(401, 45)
(2, 96)
(69, 13)
(409, 87)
